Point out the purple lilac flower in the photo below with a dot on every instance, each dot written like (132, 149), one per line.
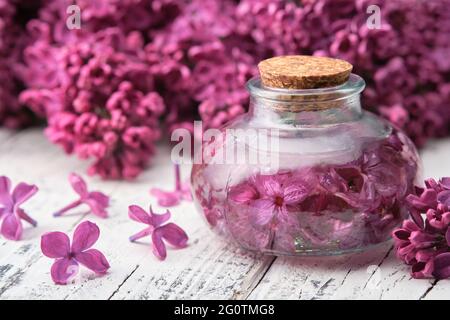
(10, 211)
(271, 197)
(173, 198)
(56, 245)
(425, 243)
(194, 57)
(100, 103)
(97, 201)
(158, 229)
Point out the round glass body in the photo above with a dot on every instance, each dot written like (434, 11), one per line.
(305, 172)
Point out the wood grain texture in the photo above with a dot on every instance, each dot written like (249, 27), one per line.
(208, 268)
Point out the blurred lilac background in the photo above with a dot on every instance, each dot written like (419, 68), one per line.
(137, 69)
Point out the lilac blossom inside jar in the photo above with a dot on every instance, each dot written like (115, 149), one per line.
(306, 171)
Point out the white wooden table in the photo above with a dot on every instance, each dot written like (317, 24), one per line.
(208, 268)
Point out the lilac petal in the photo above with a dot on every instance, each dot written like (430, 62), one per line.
(261, 212)
(166, 198)
(270, 186)
(444, 197)
(401, 234)
(55, 244)
(11, 227)
(425, 255)
(331, 181)
(158, 219)
(422, 270)
(64, 270)
(445, 183)
(78, 184)
(295, 192)
(159, 248)
(84, 237)
(243, 193)
(442, 266)
(421, 239)
(428, 197)
(138, 214)
(5, 188)
(349, 198)
(101, 198)
(96, 208)
(430, 183)
(384, 179)
(410, 226)
(174, 235)
(417, 217)
(407, 252)
(446, 218)
(93, 260)
(22, 192)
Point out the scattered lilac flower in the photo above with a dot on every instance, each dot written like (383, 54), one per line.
(10, 210)
(158, 229)
(56, 245)
(97, 201)
(173, 198)
(425, 243)
(271, 197)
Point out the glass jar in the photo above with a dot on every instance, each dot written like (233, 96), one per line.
(320, 176)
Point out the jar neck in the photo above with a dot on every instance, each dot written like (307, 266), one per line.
(306, 107)
(348, 110)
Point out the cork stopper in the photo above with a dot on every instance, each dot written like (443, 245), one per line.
(303, 72)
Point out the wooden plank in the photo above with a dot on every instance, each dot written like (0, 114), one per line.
(440, 290)
(208, 268)
(317, 277)
(390, 280)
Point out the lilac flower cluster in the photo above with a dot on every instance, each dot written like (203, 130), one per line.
(137, 64)
(99, 99)
(405, 61)
(425, 244)
(13, 13)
